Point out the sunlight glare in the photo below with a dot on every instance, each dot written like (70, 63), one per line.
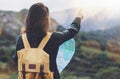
(91, 7)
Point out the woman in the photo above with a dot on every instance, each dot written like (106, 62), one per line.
(37, 25)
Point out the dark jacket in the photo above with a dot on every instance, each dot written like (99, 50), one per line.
(56, 39)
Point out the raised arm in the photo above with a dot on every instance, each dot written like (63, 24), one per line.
(71, 32)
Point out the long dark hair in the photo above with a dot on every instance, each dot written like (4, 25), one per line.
(37, 19)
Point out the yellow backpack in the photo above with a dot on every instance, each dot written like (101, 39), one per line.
(33, 63)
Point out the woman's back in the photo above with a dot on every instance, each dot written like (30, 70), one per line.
(35, 37)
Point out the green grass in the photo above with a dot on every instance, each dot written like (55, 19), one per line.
(113, 55)
(89, 52)
(86, 51)
(4, 76)
(71, 75)
(110, 73)
(3, 65)
(75, 77)
(92, 52)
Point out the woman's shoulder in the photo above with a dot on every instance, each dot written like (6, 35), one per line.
(19, 37)
(57, 34)
(19, 43)
(19, 40)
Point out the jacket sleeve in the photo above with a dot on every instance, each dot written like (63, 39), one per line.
(69, 33)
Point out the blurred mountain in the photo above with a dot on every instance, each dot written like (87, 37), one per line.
(111, 34)
(110, 38)
(103, 19)
(65, 17)
(12, 22)
(97, 46)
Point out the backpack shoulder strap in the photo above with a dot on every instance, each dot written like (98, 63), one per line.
(25, 41)
(45, 40)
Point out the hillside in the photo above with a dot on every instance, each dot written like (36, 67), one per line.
(109, 34)
(100, 20)
(12, 22)
(109, 39)
(97, 54)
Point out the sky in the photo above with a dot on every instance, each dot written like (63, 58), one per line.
(54, 5)
(17, 5)
(111, 7)
(88, 7)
